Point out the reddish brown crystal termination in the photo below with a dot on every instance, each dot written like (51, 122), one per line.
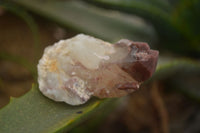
(143, 62)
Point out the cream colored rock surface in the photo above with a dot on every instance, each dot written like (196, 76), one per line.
(75, 69)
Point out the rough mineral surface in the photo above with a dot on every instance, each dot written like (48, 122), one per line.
(75, 69)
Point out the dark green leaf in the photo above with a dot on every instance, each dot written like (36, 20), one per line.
(88, 19)
(177, 27)
(180, 75)
(168, 67)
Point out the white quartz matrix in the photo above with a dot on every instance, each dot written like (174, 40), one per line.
(73, 70)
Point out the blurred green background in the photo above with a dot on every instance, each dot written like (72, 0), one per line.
(168, 102)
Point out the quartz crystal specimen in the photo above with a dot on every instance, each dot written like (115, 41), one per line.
(75, 69)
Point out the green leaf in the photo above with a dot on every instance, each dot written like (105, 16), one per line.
(177, 27)
(187, 15)
(169, 66)
(34, 113)
(88, 19)
(154, 11)
(180, 75)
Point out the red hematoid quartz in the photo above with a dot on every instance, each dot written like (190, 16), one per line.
(75, 69)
